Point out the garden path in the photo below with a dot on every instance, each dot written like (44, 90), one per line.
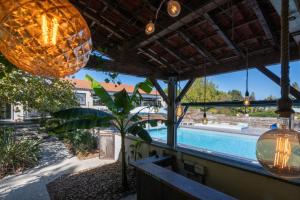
(55, 162)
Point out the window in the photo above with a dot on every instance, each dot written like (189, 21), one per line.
(97, 101)
(151, 102)
(81, 98)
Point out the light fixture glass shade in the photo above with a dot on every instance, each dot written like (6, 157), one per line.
(173, 8)
(179, 110)
(246, 101)
(278, 151)
(44, 37)
(150, 28)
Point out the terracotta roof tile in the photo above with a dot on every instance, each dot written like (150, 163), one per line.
(110, 87)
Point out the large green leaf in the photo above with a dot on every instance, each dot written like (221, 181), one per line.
(145, 86)
(79, 113)
(122, 102)
(141, 132)
(81, 124)
(102, 93)
(152, 122)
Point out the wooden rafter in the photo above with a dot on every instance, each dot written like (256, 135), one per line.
(277, 80)
(94, 16)
(159, 89)
(185, 89)
(135, 65)
(221, 33)
(262, 59)
(169, 24)
(263, 22)
(175, 53)
(123, 14)
(194, 43)
(157, 59)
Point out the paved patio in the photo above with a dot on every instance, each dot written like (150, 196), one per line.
(55, 161)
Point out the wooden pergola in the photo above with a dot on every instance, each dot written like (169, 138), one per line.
(216, 35)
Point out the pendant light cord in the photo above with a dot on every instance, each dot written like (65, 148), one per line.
(158, 9)
(204, 87)
(247, 72)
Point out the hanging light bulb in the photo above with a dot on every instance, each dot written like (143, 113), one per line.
(278, 151)
(179, 110)
(247, 99)
(173, 8)
(44, 37)
(150, 28)
(204, 119)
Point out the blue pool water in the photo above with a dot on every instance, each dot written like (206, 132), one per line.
(226, 143)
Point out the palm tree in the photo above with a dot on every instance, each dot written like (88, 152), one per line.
(118, 117)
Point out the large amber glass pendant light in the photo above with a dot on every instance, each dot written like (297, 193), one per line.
(278, 150)
(44, 37)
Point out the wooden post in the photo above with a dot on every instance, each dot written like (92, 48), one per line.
(172, 119)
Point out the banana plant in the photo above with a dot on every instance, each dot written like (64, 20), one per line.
(119, 116)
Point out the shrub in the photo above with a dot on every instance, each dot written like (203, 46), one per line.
(16, 154)
(264, 114)
(82, 141)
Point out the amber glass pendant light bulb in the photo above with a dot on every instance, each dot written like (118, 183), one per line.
(150, 28)
(246, 101)
(279, 151)
(173, 8)
(179, 110)
(44, 37)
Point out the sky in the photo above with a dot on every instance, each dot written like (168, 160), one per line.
(258, 82)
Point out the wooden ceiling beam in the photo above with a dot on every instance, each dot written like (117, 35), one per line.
(93, 15)
(129, 16)
(221, 33)
(113, 6)
(175, 54)
(196, 45)
(168, 25)
(263, 59)
(263, 22)
(158, 60)
(277, 80)
(133, 66)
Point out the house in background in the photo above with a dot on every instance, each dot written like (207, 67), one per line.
(86, 98)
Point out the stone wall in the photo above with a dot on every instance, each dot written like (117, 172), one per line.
(256, 122)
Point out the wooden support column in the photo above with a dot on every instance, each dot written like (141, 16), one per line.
(172, 119)
(277, 80)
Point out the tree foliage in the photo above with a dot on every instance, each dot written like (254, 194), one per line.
(196, 92)
(34, 92)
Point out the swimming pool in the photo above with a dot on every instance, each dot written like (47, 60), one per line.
(227, 143)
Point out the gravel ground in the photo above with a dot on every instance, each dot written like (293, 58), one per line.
(55, 162)
(103, 183)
